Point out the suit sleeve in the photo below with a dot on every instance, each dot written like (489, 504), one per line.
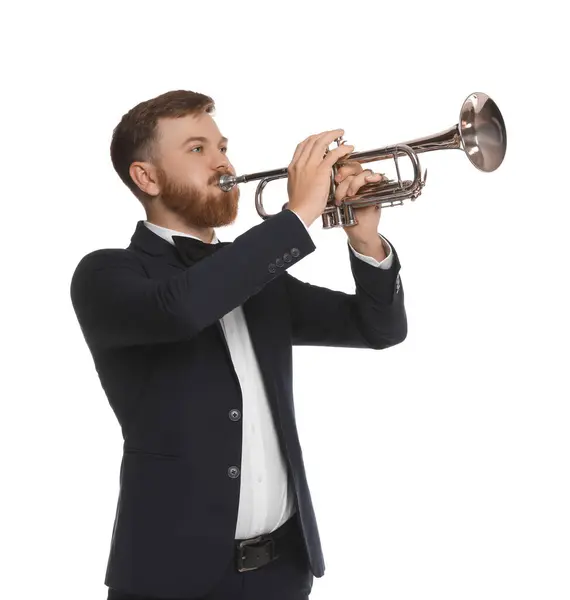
(380, 264)
(118, 305)
(373, 317)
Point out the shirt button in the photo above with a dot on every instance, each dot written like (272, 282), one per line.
(233, 472)
(235, 414)
(295, 252)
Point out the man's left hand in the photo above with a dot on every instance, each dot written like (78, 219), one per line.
(350, 178)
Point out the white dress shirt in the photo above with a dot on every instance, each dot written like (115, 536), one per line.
(266, 498)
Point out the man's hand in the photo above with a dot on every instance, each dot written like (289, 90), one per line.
(350, 178)
(309, 174)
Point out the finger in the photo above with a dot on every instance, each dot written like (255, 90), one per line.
(304, 149)
(349, 168)
(342, 188)
(370, 173)
(321, 144)
(359, 180)
(301, 148)
(297, 152)
(352, 184)
(376, 178)
(336, 154)
(370, 176)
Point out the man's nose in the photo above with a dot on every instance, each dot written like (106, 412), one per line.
(222, 162)
(223, 165)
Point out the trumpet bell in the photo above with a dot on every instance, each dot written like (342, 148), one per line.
(483, 132)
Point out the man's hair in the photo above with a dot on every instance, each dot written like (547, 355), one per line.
(134, 138)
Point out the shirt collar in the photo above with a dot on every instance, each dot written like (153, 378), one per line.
(167, 234)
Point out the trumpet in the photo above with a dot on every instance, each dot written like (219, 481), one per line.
(480, 133)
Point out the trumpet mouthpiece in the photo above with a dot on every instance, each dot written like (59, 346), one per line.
(227, 182)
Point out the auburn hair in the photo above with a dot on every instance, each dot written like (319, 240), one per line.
(134, 137)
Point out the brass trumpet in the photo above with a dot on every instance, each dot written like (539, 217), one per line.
(480, 133)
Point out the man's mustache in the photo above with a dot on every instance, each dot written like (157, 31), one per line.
(216, 178)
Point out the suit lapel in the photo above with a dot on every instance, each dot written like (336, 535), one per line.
(145, 240)
(257, 309)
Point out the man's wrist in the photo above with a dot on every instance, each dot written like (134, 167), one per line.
(307, 220)
(370, 247)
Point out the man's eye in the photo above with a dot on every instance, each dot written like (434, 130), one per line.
(224, 148)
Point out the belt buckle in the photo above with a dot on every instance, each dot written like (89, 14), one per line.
(251, 542)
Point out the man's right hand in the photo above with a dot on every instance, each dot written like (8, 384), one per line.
(309, 174)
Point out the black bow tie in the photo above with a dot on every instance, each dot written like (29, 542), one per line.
(192, 250)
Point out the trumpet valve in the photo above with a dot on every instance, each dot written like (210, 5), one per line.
(329, 220)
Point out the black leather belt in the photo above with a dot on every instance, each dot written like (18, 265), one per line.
(256, 552)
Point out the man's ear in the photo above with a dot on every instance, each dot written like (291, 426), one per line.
(144, 176)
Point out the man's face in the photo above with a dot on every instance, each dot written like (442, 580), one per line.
(189, 170)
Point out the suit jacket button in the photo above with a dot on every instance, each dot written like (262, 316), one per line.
(272, 268)
(287, 257)
(233, 472)
(295, 252)
(279, 262)
(235, 414)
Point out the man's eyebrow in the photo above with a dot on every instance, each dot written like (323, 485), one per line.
(199, 138)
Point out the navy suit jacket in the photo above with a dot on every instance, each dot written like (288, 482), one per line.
(152, 326)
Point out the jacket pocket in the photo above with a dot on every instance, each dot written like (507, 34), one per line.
(147, 453)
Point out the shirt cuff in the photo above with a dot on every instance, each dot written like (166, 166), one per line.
(381, 264)
(300, 220)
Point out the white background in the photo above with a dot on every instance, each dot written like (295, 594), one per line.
(438, 468)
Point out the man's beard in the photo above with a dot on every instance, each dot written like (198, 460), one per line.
(211, 208)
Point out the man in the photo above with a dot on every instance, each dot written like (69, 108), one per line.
(192, 341)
